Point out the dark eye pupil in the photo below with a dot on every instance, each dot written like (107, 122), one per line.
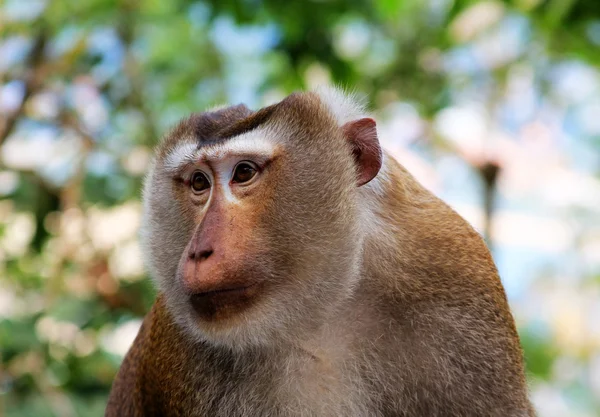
(243, 173)
(199, 182)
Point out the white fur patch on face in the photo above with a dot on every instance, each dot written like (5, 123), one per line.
(223, 173)
(250, 143)
(183, 154)
(343, 106)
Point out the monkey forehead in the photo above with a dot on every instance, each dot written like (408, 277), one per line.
(252, 143)
(201, 127)
(216, 133)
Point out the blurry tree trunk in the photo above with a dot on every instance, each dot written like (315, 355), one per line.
(489, 173)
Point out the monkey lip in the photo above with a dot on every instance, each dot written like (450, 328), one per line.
(223, 291)
(217, 304)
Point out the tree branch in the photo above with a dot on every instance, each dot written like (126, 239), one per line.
(31, 80)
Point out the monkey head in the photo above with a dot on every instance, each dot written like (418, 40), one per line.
(251, 219)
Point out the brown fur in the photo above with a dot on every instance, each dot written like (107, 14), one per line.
(379, 300)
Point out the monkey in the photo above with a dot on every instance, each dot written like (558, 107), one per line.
(302, 271)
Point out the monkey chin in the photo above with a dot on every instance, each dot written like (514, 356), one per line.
(235, 318)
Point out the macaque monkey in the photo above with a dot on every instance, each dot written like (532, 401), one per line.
(302, 271)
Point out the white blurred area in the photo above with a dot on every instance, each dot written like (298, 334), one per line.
(545, 229)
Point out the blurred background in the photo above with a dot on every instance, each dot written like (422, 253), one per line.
(493, 105)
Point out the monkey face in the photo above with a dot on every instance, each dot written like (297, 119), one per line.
(224, 266)
(251, 219)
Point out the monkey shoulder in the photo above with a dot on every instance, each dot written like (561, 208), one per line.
(157, 377)
(429, 358)
(447, 323)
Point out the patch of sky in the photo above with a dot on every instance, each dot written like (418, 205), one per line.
(461, 60)
(11, 95)
(106, 44)
(243, 47)
(65, 40)
(13, 50)
(100, 163)
(352, 38)
(438, 11)
(207, 91)
(198, 14)
(578, 144)
(521, 100)
(574, 81)
(23, 11)
(459, 181)
(235, 40)
(519, 267)
(593, 31)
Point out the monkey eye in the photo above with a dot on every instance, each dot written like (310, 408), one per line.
(244, 172)
(199, 182)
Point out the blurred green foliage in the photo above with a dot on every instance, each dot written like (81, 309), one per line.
(106, 78)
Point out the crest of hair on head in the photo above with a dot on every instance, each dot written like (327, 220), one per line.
(343, 105)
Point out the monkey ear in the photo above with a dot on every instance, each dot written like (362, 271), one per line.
(362, 135)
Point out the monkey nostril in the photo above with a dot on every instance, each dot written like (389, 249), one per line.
(201, 255)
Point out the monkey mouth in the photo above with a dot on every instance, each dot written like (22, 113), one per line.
(222, 303)
(222, 291)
